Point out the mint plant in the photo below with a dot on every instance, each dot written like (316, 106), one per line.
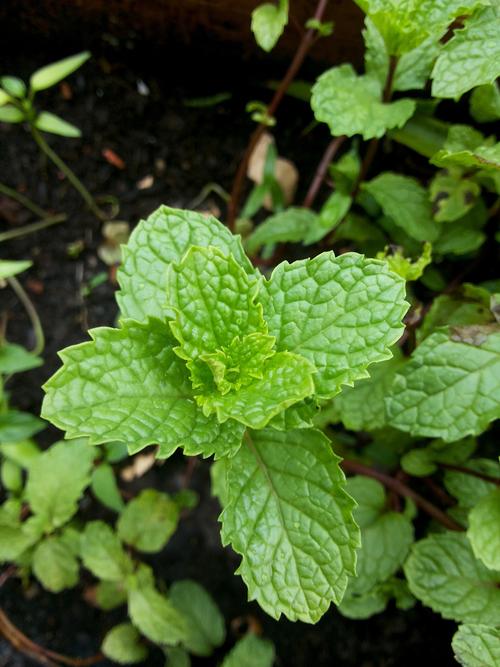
(215, 359)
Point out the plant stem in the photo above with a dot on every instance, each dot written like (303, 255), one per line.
(403, 490)
(319, 176)
(33, 227)
(472, 473)
(23, 200)
(38, 653)
(70, 175)
(32, 314)
(304, 46)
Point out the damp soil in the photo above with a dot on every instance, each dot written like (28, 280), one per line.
(135, 107)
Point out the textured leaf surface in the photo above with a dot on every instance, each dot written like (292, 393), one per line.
(449, 388)
(154, 244)
(251, 651)
(128, 384)
(54, 565)
(268, 23)
(469, 489)
(103, 554)
(206, 625)
(290, 518)
(484, 530)
(362, 407)
(148, 521)
(289, 226)
(342, 313)
(471, 57)
(352, 104)
(466, 147)
(122, 644)
(156, 617)
(477, 645)
(57, 479)
(443, 573)
(406, 202)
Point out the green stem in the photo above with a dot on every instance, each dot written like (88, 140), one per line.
(70, 175)
(23, 200)
(32, 314)
(33, 227)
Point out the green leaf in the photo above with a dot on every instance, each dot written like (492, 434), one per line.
(49, 75)
(477, 645)
(424, 461)
(362, 407)
(290, 226)
(443, 574)
(11, 476)
(54, 565)
(155, 243)
(13, 538)
(251, 651)
(332, 213)
(452, 196)
(471, 57)
(451, 386)
(110, 594)
(56, 481)
(484, 530)
(13, 86)
(177, 657)
(404, 266)
(123, 644)
(23, 452)
(10, 267)
(386, 538)
(352, 104)
(16, 426)
(375, 601)
(466, 147)
(4, 97)
(206, 626)
(341, 313)
(156, 617)
(49, 122)
(10, 114)
(105, 488)
(485, 103)
(468, 489)
(406, 202)
(129, 385)
(465, 235)
(148, 521)
(269, 22)
(102, 552)
(14, 359)
(290, 518)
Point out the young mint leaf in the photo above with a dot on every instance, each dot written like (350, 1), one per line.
(110, 594)
(290, 518)
(476, 645)
(103, 554)
(16, 425)
(484, 103)
(471, 57)
(123, 645)
(484, 530)
(404, 266)
(289, 226)
(128, 384)
(466, 147)
(177, 656)
(148, 521)
(451, 386)
(251, 651)
(452, 196)
(214, 301)
(406, 202)
(465, 235)
(206, 626)
(268, 23)
(299, 415)
(332, 213)
(341, 313)
(443, 574)
(49, 75)
(154, 244)
(362, 407)
(468, 489)
(56, 481)
(351, 104)
(54, 565)
(14, 540)
(424, 461)
(105, 488)
(156, 617)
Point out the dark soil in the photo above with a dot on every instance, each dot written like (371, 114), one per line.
(184, 149)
